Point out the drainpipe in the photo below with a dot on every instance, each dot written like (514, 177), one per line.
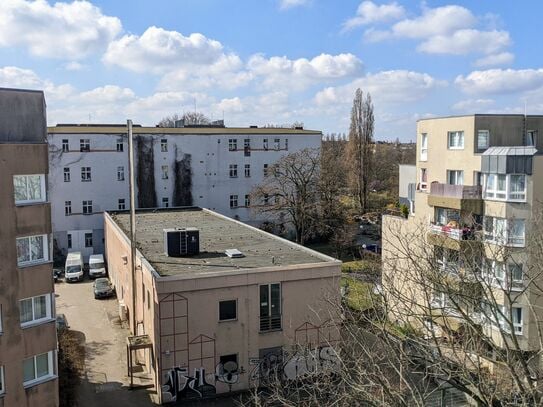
(132, 223)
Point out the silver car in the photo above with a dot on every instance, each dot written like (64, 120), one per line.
(103, 288)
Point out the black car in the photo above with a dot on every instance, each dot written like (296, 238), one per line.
(103, 288)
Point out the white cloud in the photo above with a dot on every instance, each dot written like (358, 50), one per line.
(368, 13)
(15, 77)
(286, 4)
(64, 30)
(388, 87)
(73, 66)
(107, 94)
(472, 105)
(501, 81)
(467, 41)
(503, 58)
(158, 51)
(234, 105)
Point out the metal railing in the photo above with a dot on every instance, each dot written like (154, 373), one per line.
(456, 191)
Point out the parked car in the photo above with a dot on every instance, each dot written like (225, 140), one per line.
(62, 322)
(57, 275)
(375, 248)
(73, 271)
(103, 288)
(97, 266)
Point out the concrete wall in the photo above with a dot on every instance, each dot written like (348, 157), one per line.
(22, 116)
(408, 175)
(182, 317)
(17, 283)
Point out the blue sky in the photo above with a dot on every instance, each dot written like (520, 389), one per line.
(274, 61)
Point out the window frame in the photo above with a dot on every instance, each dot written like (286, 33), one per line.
(482, 132)
(50, 369)
(165, 172)
(423, 147)
(87, 207)
(233, 144)
(120, 173)
(247, 200)
(46, 254)
(86, 174)
(491, 236)
(163, 145)
(65, 145)
(533, 134)
(458, 175)
(43, 190)
(88, 239)
(67, 208)
(120, 145)
(277, 144)
(450, 134)
(233, 201)
(84, 145)
(265, 169)
(2, 382)
(67, 174)
(506, 195)
(165, 202)
(247, 170)
(123, 203)
(233, 170)
(423, 174)
(265, 144)
(270, 314)
(49, 314)
(235, 318)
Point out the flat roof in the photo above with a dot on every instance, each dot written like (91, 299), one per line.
(480, 115)
(121, 129)
(217, 234)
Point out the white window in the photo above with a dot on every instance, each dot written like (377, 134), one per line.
(247, 201)
(65, 146)
(531, 138)
(423, 179)
(517, 187)
(455, 140)
(120, 173)
(29, 188)
(85, 174)
(516, 232)
(443, 216)
(483, 140)
(66, 174)
(88, 239)
(84, 144)
(2, 386)
(247, 170)
(87, 207)
(233, 201)
(35, 310)
(516, 318)
(233, 170)
(424, 147)
(67, 208)
(32, 249)
(265, 144)
(164, 172)
(455, 177)
(504, 231)
(121, 204)
(276, 143)
(233, 144)
(164, 145)
(511, 187)
(120, 145)
(38, 368)
(516, 275)
(165, 202)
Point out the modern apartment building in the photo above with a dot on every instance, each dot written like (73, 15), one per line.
(28, 341)
(477, 201)
(208, 166)
(221, 320)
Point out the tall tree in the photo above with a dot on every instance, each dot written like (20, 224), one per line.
(190, 118)
(361, 146)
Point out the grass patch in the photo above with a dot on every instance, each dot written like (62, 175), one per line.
(369, 266)
(360, 295)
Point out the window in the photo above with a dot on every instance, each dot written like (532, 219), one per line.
(247, 147)
(121, 204)
(265, 170)
(84, 144)
(37, 368)
(120, 173)
(29, 188)
(228, 310)
(65, 146)
(247, 170)
(88, 239)
(85, 174)
(443, 216)
(32, 249)
(483, 140)
(120, 145)
(477, 178)
(233, 201)
(424, 147)
(505, 187)
(69, 236)
(423, 179)
(165, 202)
(164, 172)
(504, 231)
(87, 207)
(233, 170)
(265, 144)
(67, 208)
(447, 259)
(232, 144)
(455, 177)
(455, 140)
(2, 386)
(286, 144)
(35, 310)
(516, 233)
(164, 145)
(247, 201)
(228, 364)
(266, 199)
(516, 274)
(148, 300)
(531, 138)
(276, 143)
(516, 319)
(66, 174)
(270, 307)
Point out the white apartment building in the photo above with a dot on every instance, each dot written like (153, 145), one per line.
(205, 166)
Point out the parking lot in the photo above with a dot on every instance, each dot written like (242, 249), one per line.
(97, 324)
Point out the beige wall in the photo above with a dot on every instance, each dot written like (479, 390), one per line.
(16, 283)
(182, 319)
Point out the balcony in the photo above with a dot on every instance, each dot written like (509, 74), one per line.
(461, 197)
(454, 238)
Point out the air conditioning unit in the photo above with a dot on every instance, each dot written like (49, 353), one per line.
(123, 311)
(181, 242)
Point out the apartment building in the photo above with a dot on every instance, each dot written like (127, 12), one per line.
(236, 307)
(477, 201)
(28, 341)
(208, 166)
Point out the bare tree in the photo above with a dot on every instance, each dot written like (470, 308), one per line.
(360, 145)
(189, 118)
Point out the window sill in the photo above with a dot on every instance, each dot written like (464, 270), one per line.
(455, 148)
(29, 203)
(271, 331)
(33, 324)
(228, 320)
(39, 381)
(27, 265)
(504, 200)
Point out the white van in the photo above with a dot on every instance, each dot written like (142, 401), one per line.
(73, 271)
(97, 266)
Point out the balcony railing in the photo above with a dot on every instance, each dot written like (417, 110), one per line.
(270, 323)
(464, 233)
(456, 191)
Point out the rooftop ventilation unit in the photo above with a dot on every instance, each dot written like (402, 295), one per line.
(181, 242)
(233, 253)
